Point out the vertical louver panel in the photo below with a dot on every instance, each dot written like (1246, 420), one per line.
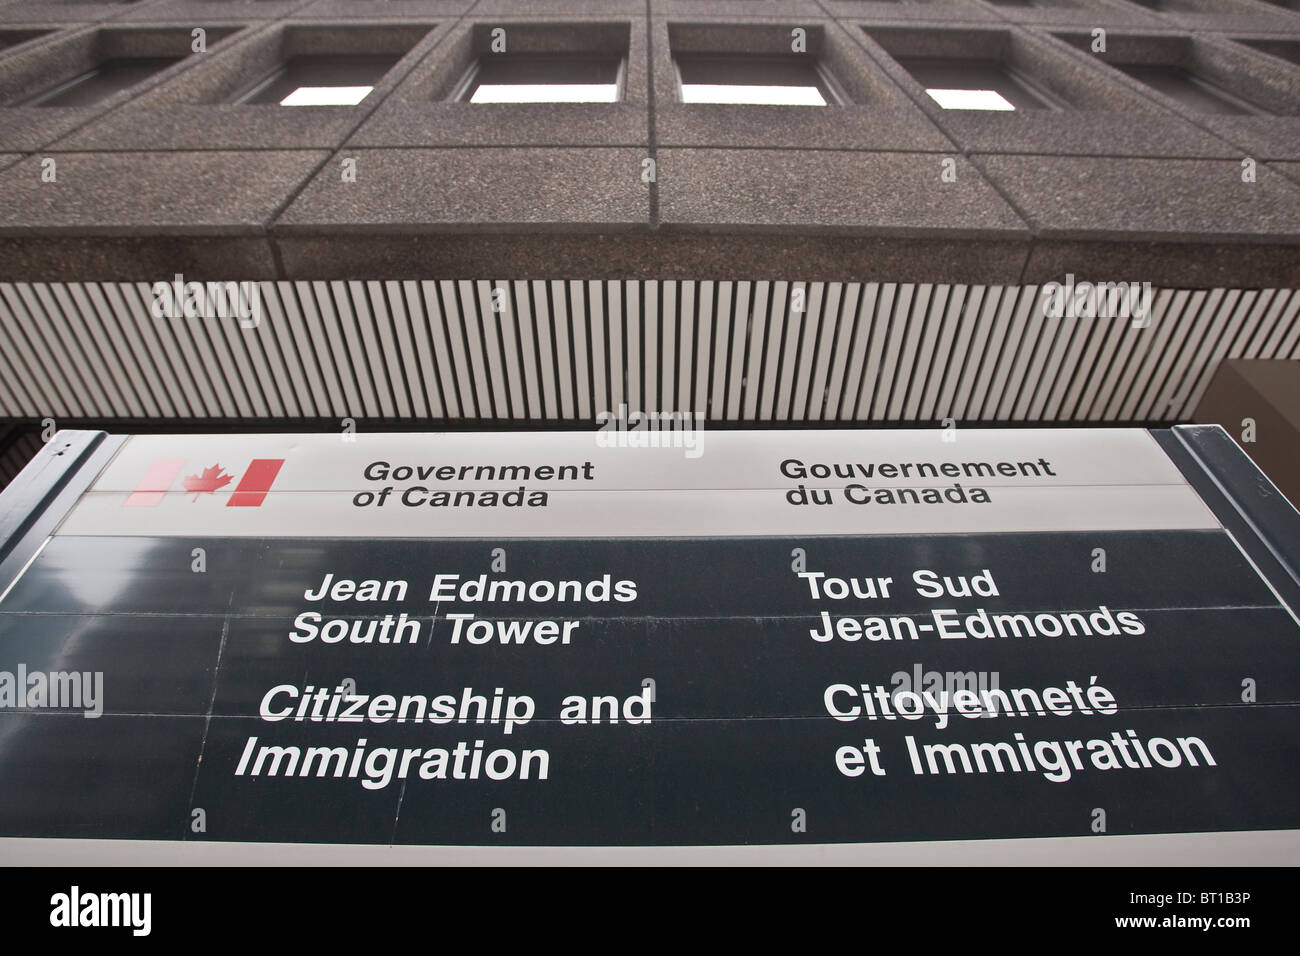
(566, 350)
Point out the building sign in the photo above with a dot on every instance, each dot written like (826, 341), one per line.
(539, 639)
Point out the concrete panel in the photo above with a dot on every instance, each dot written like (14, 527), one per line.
(1289, 170)
(1210, 15)
(16, 38)
(29, 129)
(66, 12)
(402, 122)
(659, 254)
(797, 127)
(691, 10)
(163, 193)
(380, 9)
(1084, 133)
(468, 190)
(128, 259)
(202, 12)
(1084, 13)
(558, 8)
(1260, 137)
(1172, 263)
(1285, 48)
(882, 193)
(1146, 199)
(937, 11)
(216, 126)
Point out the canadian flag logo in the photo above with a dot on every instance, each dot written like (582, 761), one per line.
(162, 474)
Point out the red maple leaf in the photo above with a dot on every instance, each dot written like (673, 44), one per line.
(209, 481)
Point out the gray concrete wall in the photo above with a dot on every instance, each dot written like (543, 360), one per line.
(1123, 183)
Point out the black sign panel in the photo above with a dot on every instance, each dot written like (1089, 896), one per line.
(646, 691)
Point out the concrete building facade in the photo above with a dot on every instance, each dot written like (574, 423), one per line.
(420, 258)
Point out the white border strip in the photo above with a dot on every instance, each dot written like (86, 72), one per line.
(1239, 848)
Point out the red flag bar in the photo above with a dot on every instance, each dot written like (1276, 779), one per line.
(257, 480)
(156, 482)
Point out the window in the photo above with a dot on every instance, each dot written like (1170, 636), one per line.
(1188, 88)
(543, 78)
(992, 70)
(970, 99)
(105, 79)
(976, 85)
(320, 81)
(1204, 77)
(754, 80)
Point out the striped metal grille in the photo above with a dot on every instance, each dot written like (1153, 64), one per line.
(567, 350)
